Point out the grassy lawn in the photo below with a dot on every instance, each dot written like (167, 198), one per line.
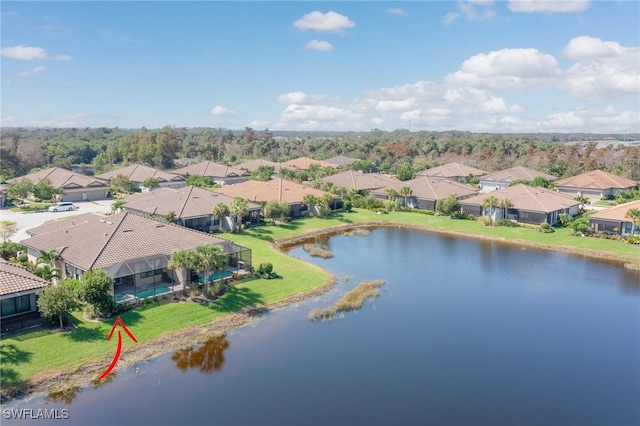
(27, 354)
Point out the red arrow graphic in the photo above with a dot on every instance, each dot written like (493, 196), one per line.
(119, 348)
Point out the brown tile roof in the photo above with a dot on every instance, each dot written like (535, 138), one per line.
(360, 181)
(618, 212)
(65, 179)
(529, 198)
(276, 189)
(596, 179)
(190, 201)
(516, 173)
(254, 164)
(211, 169)
(429, 188)
(451, 170)
(16, 279)
(140, 173)
(341, 160)
(105, 241)
(55, 224)
(303, 163)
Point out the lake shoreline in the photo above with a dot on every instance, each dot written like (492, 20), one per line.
(47, 382)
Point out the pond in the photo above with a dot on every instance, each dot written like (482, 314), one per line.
(464, 332)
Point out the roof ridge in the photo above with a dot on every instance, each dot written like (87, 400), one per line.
(186, 199)
(104, 246)
(6, 262)
(526, 187)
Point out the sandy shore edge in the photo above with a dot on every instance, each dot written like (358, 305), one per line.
(53, 381)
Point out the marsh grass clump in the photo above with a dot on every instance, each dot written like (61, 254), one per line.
(357, 231)
(351, 301)
(316, 251)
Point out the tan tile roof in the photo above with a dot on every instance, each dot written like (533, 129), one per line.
(596, 179)
(140, 173)
(190, 201)
(105, 241)
(211, 169)
(56, 224)
(341, 160)
(276, 189)
(360, 181)
(303, 163)
(618, 212)
(516, 173)
(451, 170)
(15, 279)
(253, 165)
(529, 198)
(429, 188)
(65, 179)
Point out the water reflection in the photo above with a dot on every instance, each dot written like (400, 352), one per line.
(65, 396)
(207, 357)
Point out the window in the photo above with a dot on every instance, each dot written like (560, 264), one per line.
(151, 273)
(16, 305)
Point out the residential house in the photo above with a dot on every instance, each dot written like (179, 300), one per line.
(138, 173)
(76, 187)
(504, 178)
(453, 171)
(252, 165)
(614, 220)
(18, 288)
(280, 190)
(361, 181)
(303, 163)
(341, 161)
(192, 207)
(133, 249)
(218, 173)
(426, 191)
(529, 205)
(594, 185)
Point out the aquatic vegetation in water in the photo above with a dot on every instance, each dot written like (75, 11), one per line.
(351, 301)
(316, 251)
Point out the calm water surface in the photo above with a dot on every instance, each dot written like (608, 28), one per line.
(464, 333)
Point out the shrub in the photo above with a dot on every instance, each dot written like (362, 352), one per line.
(545, 228)
(581, 226)
(565, 220)
(347, 206)
(633, 239)
(506, 222)
(265, 268)
(485, 220)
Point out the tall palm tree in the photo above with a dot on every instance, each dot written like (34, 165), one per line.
(391, 193)
(239, 208)
(184, 260)
(221, 210)
(634, 215)
(406, 191)
(505, 204)
(491, 202)
(210, 258)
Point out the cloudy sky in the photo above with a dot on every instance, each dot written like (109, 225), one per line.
(509, 66)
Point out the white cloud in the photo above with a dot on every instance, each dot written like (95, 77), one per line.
(551, 6)
(219, 110)
(392, 105)
(330, 22)
(507, 69)
(320, 45)
(319, 117)
(494, 105)
(28, 53)
(302, 98)
(396, 11)
(33, 71)
(259, 124)
(475, 10)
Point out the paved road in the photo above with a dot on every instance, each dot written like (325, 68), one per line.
(31, 220)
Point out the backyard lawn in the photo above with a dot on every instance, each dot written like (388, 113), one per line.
(26, 355)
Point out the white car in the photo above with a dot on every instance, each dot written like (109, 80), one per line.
(62, 207)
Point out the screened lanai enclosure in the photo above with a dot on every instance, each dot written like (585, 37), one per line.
(140, 278)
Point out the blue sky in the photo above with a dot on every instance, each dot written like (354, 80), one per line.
(486, 66)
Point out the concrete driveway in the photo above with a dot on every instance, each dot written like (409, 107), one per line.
(31, 220)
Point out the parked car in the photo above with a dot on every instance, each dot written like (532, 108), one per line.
(62, 207)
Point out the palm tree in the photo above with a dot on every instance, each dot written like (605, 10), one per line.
(210, 258)
(391, 193)
(221, 210)
(406, 191)
(491, 202)
(309, 200)
(182, 259)
(634, 215)
(505, 204)
(48, 257)
(239, 208)
(171, 217)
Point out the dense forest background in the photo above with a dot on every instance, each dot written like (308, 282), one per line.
(562, 155)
